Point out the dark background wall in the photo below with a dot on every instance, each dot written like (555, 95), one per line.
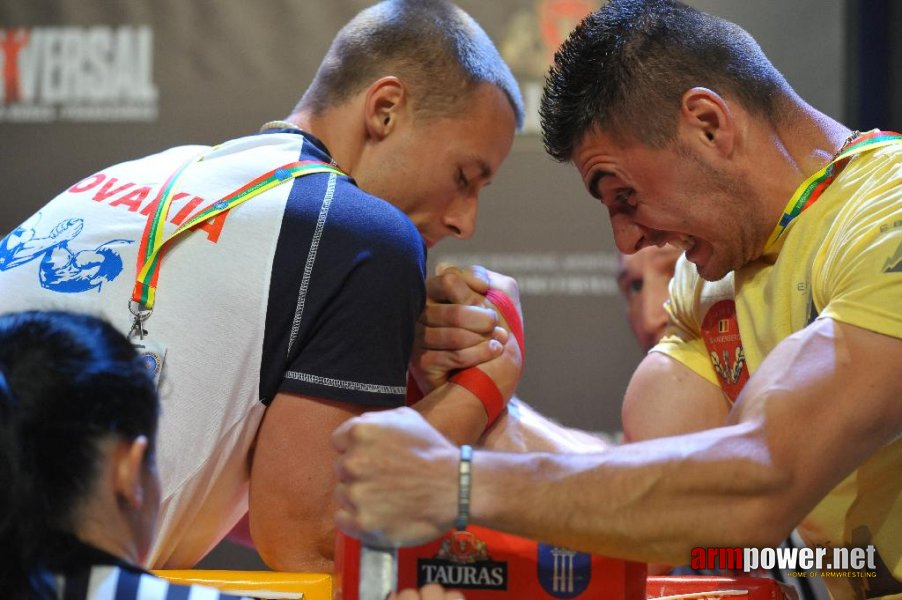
(99, 82)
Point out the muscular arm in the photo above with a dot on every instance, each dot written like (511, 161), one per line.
(522, 429)
(291, 497)
(666, 398)
(292, 479)
(360, 325)
(744, 484)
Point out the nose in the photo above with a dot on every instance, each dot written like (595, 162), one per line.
(628, 235)
(460, 219)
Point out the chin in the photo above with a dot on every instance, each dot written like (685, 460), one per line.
(712, 266)
(711, 271)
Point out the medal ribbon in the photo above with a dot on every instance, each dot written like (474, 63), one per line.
(150, 252)
(812, 188)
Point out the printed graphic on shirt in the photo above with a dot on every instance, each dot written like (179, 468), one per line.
(128, 195)
(894, 263)
(720, 331)
(63, 268)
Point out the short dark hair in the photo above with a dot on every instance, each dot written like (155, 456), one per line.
(624, 69)
(432, 44)
(67, 382)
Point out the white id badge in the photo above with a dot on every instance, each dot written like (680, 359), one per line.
(153, 354)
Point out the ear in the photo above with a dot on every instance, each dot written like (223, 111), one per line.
(130, 456)
(385, 101)
(707, 118)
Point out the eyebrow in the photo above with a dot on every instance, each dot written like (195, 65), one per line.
(593, 183)
(485, 170)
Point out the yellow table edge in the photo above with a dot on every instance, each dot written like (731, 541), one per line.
(314, 586)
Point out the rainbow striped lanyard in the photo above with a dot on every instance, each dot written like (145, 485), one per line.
(153, 243)
(812, 188)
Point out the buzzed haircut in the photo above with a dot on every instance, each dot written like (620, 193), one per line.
(624, 69)
(432, 45)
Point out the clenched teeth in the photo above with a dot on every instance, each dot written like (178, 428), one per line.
(684, 242)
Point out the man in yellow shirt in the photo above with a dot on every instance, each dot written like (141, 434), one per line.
(786, 315)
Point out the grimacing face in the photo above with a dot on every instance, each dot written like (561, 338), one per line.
(433, 168)
(644, 280)
(671, 196)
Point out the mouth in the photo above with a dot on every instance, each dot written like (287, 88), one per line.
(684, 242)
(695, 251)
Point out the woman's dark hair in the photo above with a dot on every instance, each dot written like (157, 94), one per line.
(67, 381)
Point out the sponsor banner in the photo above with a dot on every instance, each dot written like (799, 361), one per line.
(463, 562)
(533, 32)
(548, 273)
(77, 74)
(488, 564)
(564, 573)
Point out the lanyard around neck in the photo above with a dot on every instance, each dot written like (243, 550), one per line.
(150, 252)
(812, 188)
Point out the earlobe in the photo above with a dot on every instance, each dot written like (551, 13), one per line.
(385, 100)
(709, 118)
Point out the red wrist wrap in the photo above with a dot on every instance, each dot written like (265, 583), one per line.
(483, 387)
(477, 382)
(480, 384)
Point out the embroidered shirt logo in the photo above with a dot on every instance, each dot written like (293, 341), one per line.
(720, 331)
